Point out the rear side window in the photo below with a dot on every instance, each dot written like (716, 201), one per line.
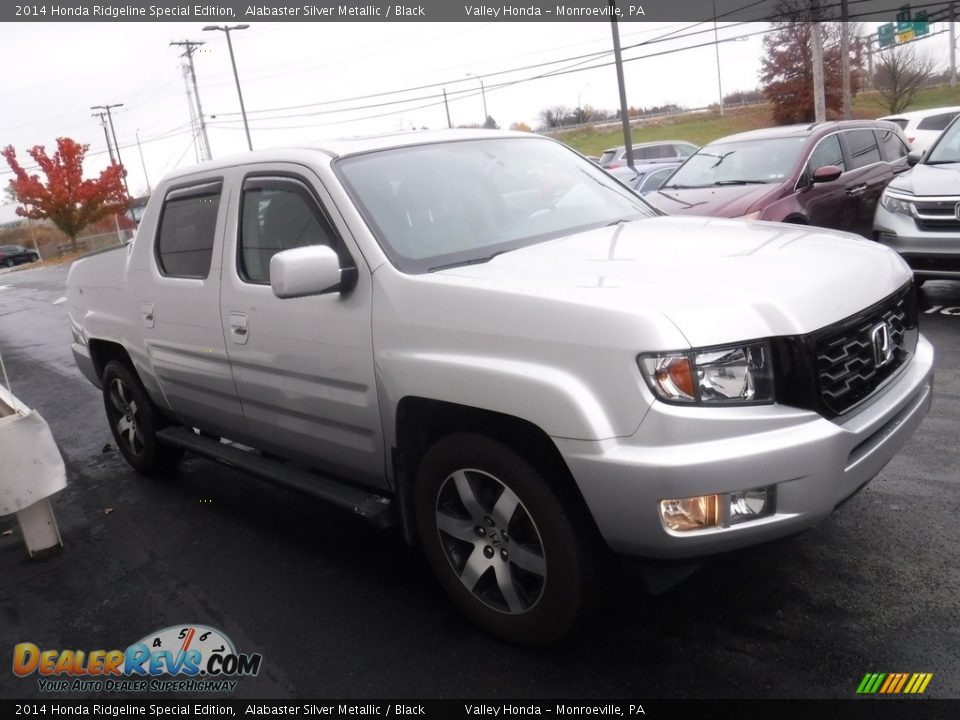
(607, 156)
(863, 147)
(827, 152)
(685, 150)
(655, 152)
(278, 214)
(936, 122)
(902, 122)
(188, 223)
(891, 146)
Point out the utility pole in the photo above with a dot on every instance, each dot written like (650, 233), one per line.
(845, 60)
(225, 29)
(194, 129)
(716, 47)
(447, 106)
(144, 164)
(106, 135)
(953, 47)
(869, 82)
(113, 132)
(624, 114)
(816, 41)
(483, 94)
(190, 47)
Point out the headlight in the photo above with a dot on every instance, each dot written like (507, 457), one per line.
(896, 204)
(712, 376)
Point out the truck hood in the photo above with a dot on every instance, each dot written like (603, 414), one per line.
(728, 201)
(929, 180)
(718, 281)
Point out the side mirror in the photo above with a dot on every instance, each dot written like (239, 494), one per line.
(914, 156)
(827, 173)
(310, 270)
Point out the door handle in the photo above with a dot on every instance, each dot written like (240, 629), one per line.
(238, 327)
(858, 190)
(146, 312)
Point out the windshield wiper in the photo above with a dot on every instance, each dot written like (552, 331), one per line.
(942, 162)
(679, 187)
(740, 182)
(472, 261)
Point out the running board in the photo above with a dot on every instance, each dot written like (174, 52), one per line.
(376, 509)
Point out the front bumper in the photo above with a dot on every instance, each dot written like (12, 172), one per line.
(931, 254)
(814, 464)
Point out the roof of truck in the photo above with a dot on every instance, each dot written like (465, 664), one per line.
(350, 146)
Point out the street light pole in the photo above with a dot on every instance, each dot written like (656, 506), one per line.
(116, 145)
(243, 110)
(716, 47)
(483, 94)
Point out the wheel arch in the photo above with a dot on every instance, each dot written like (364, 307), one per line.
(422, 421)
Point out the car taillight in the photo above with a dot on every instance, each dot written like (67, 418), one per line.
(911, 139)
(613, 166)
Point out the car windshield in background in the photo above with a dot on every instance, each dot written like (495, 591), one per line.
(947, 149)
(455, 203)
(740, 163)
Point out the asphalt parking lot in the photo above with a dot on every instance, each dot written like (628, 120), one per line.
(338, 609)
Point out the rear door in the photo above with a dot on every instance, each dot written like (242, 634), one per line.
(868, 176)
(180, 308)
(303, 367)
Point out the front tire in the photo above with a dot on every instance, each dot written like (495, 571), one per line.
(515, 558)
(134, 421)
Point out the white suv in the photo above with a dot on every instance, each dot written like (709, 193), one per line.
(922, 127)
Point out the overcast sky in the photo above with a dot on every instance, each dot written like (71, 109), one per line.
(55, 72)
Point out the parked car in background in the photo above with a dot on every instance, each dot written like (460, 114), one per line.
(829, 174)
(919, 212)
(650, 152)
(922, 127)
(645, 178)
(11, 255)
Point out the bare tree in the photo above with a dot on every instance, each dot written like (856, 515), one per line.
(554, 115)
(9, 193)
(899, 73)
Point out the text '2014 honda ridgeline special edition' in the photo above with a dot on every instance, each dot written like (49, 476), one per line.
(486, 339)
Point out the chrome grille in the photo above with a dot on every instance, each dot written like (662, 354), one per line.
(939, 214)
(846, 367)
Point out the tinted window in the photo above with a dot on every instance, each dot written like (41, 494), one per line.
(187, 225)
(936, 122)
(654, 180)
(278, 214)
(827, 152)
(654, 152)
(862, 145)
(891, 146)
(902, 122)
(607, 157)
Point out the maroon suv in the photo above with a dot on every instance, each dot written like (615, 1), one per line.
(829, 174)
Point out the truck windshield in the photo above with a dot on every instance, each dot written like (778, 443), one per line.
(750, 161)
(439, 205)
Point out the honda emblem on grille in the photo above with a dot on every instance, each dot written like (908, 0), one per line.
(882, 347)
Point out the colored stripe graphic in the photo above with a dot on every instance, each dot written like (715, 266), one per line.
(894, 683)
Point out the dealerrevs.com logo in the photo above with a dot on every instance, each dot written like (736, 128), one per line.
(182, 658)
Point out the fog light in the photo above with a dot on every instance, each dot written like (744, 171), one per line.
(750, 504)
(685, 514)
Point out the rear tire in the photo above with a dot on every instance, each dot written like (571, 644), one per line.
(8, 262)
(517, 560)
(134, 421)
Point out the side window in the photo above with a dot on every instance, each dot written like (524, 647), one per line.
(188, 223)
(827, 152)
(936, 122)
(277, 214)
(862, 145)
(654, 180)
(891, 146)
(685, 150)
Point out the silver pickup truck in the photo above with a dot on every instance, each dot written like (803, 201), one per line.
(485, 339)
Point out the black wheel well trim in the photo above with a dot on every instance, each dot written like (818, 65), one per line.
(420, 422)
(102, 352)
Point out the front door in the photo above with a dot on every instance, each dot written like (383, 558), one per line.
(303, 367)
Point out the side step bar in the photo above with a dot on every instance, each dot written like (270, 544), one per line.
(376, 509)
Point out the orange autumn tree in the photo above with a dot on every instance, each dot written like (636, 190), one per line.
(66, 199)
